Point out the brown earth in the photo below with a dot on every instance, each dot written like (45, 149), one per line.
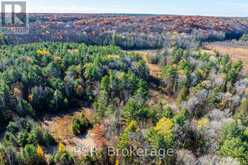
(155, 70)
(156, 94)
(60, 127)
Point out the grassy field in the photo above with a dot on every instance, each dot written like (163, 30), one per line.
(235, 53)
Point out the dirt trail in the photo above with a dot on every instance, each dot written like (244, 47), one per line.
(155, 70)
(156, 94)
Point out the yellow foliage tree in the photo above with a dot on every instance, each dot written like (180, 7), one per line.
(132, 126)
(164, 128)
(117, 162)
(42, 52)
(202, 123)
(40, 152)
(61, 148)
(124, 138)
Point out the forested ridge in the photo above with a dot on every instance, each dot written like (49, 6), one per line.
(128, 31)
(206, 123)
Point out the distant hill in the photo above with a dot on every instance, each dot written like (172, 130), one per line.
(130, 31)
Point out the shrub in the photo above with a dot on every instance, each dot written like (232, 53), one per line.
(188, 138)
(162, 135)
(62, 157)
(167, 112)
(234, 142)
(23, 108)
(25, 131)
(29, 156)
(235, 148)
(48, 139)
(159, 111)
(135, 110)
(154, 59)
(203, 122)
(182, 95)
(8, 155)
(80, 125)
(181, 117)
(242, 114)
(124, 142)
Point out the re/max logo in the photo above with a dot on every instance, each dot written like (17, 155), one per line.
(14, 17)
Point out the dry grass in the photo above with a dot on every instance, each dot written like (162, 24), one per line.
(155, 70)
(234, 53)
(156, 95)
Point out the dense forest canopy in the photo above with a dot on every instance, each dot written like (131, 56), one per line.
(206, 122)
(128, 31)
(42, 78)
